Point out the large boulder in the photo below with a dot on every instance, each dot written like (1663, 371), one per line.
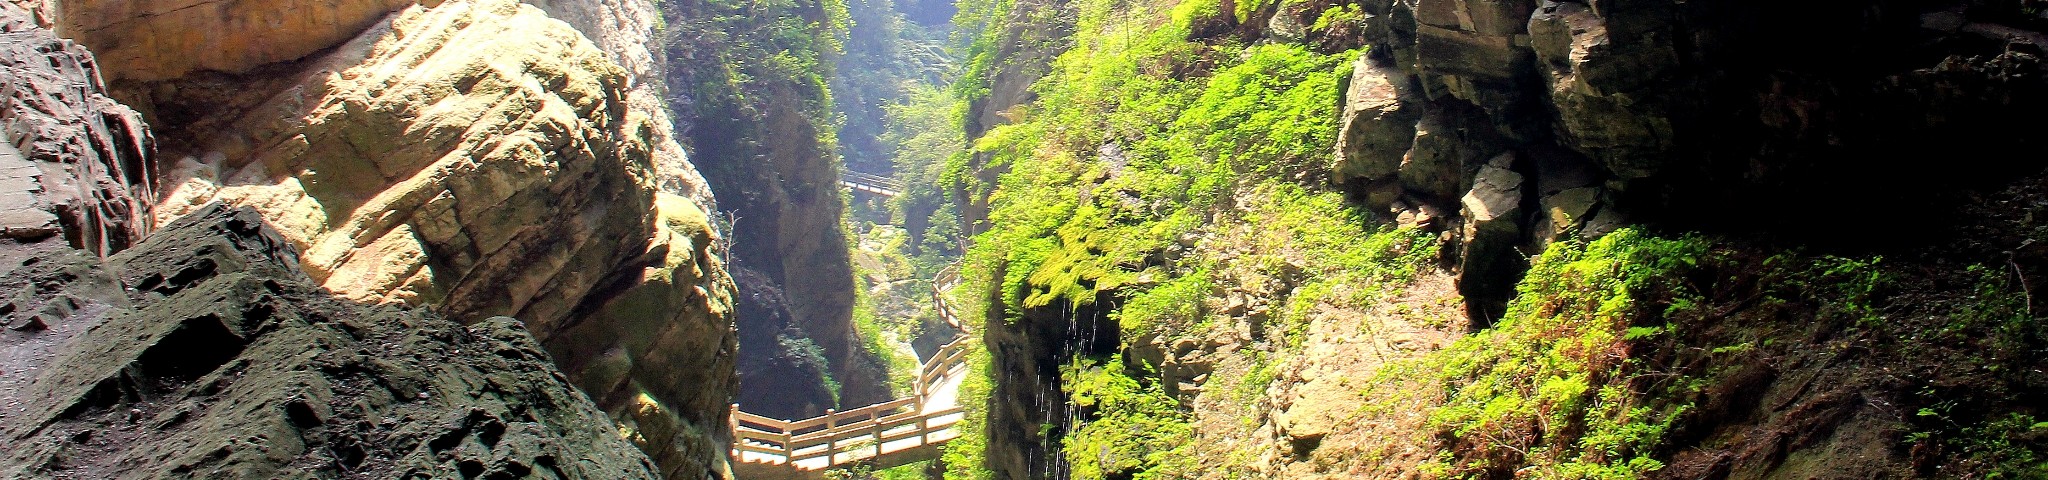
(221, 359)
(1378, 126)
(1495, 221)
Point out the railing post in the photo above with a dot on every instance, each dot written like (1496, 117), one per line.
(923, 427)
(788, 448)
(831, 442)
(732, 424)
(878, 435)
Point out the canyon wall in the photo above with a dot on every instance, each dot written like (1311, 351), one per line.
(1365, 309)
(1687, 115)
(202, 350)
(756, 114)
(476, 158)
(76, 163)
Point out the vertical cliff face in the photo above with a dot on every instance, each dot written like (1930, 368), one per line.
(782, 186)
(1013, 48)
(479, 158)
(757, 112)
(74, 162)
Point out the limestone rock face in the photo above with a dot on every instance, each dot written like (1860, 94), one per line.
(164, 39)
(73, 161)
(484, 159)
(626, 30)
(222, 360)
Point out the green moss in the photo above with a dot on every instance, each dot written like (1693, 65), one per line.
(1124, 154)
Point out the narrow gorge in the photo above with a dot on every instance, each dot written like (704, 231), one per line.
(1023, 239)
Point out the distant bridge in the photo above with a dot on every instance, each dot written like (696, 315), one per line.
(871, 183)
(887, 434)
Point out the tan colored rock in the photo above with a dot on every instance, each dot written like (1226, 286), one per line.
(626, 29)
(485, 159)
(165, 39)
(1378, 124)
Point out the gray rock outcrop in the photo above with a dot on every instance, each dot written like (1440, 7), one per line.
(204, 352)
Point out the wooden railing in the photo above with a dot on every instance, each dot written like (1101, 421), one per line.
(942, 283)
(864, 433)
(868, 434)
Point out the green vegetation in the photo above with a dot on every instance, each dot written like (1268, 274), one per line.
(1143, 139)
(1150, 152)
(737, 63)
(1549, 386)
(1175, 303)
(881, 337)
(1136, 428)
(923, 134)
(913, 471)
(966, 458)
(1169, 167)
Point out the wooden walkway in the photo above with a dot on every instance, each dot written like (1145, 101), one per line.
(882, 435)
(871, 183)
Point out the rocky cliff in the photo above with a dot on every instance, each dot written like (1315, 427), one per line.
(76, 163)
(1529, 119)
(1183, 281)
(203, 350)
(477, 158)
(757, 120)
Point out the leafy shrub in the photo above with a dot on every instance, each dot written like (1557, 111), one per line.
(1132, 429)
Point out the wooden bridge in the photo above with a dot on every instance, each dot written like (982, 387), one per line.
(882, 435)
(871, 183)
